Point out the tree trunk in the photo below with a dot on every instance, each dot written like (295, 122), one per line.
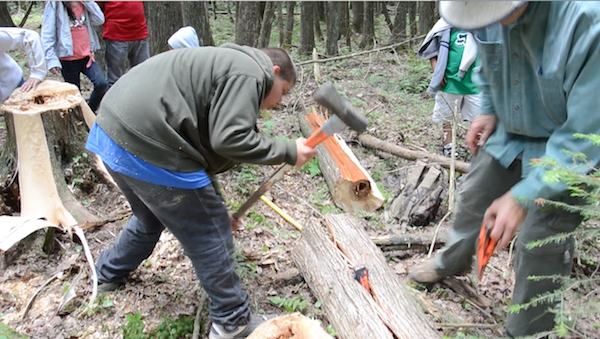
(351, 186)
(378, 144)
(247, 27)
(335, 18)
(5, 18)
(307, 36)
(410, 242)
(289, 23)
(317, 21)
(357, 15)
(426, 16)
(328, 258)
(163, 18)
(346, 25)
(386, 15)
(195, 14)
(280, 24)
(100, 54)
(267, 23)
(412, 18)
(368, 25)
(399, 26)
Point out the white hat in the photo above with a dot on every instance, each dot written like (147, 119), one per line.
(477, 14)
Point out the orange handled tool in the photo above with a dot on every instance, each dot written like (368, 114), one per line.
(485, 248)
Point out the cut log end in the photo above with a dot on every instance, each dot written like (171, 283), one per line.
(47, 96)
(292, 326)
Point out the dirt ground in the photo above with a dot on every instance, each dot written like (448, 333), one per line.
(166, 286)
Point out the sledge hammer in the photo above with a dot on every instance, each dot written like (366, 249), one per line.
(342, 115)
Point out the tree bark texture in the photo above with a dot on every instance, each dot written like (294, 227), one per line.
(327, 259)
(357, 15)
(317, 21)
(412, 18)
(5, 18)
(307, 36)
(378, 144)
(406, 242)
(368, 25)
(426, 16)
(399, 26)
(386, 15)
(280, 24)
(351, 186)
(335, 18)
(267, 23)
(247, 27)
(289, 23)
(195, 14)
(163, 18)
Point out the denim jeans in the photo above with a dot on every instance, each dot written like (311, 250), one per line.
(72, 69)
(488, 180)
(118, 52)
(199, 221)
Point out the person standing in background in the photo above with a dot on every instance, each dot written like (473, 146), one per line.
(453, 55)
(69, 43)
(125, 35)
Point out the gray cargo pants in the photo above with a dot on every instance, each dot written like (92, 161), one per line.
(488, 180)
(199, 220)
(118, 52)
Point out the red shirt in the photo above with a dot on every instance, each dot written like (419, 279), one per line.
(79, 34)
(124, 20)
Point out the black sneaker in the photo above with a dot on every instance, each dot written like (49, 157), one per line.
(238, 332)
(447, 150)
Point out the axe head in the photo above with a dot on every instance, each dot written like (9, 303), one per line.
(328, 97)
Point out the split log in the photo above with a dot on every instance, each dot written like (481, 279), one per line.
(378, 144)
(351, 186)
(290, 326)
(326, 260)
(420, 198)
(50, 115)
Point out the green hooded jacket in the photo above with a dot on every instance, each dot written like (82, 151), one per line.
(195, 108)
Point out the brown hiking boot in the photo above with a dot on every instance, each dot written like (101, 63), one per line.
(425, 272)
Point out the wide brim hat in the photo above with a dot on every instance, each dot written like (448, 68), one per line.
(471, 15)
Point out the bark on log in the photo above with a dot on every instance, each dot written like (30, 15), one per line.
(326, 260)
(51, 115)
(378, 144)
(351, 186)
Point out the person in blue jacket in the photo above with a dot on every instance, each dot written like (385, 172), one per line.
(539, 82)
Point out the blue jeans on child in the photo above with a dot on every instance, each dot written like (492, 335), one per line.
(199, 220)
(72, 69)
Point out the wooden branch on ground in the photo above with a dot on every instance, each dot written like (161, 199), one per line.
(327, 261)
(405, 241)
(351, 186)
(420, 37)
(378, 144)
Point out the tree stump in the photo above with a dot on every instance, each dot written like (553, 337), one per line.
(351, 186)
(45, 133)
(290, 326)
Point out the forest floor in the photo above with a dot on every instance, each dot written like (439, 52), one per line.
(386, 86)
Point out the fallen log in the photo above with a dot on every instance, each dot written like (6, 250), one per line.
(351, 186)
(327, 261)
(378, 144)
